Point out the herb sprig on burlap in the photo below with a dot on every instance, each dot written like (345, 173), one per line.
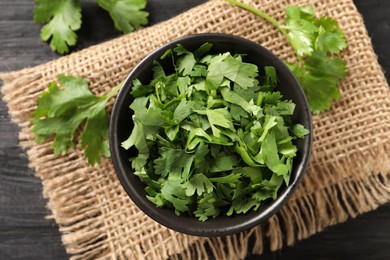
(317, 43)
(69, 106)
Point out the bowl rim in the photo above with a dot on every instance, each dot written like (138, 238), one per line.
(153, 211)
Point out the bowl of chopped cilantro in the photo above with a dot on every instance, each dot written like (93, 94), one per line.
(210, 134)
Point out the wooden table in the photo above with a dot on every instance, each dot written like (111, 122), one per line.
(24, 231)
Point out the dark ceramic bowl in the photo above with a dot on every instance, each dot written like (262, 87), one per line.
(121, 126)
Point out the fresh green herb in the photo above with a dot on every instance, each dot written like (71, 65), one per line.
(213, 137)
(126, 14)
(61, 112)
(63, 18)
(317, 43)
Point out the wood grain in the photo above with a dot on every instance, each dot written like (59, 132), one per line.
(24, 231)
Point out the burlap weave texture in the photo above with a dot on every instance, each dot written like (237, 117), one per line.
(348, 173)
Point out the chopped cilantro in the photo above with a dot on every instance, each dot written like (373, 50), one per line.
(211, 138)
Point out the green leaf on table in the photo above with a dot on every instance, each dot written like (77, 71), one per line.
(62, 18)
(126, 14)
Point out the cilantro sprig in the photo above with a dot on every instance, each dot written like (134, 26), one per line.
(317, 43)
(213, 137)
(63, 17)
(62, 111)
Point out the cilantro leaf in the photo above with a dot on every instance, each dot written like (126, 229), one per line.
(208, 206)
(126, 14)
(319, 77)
(63, 17)
(137, 139)
(319, 74)
(226, 66)
(307, 33)
(175, 193)
(330, 37)
(299, 130)
(224, 163)
(61, 112)
(183, 110)
(186, 60)
(301, 30)
(199, 184)
(243, 205)
(271, 157)
(173, 162)
(218, 117)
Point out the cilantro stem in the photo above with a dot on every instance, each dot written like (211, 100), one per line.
(261, 14)
(174, 100)
(156, 87)
(114, 91)
(259, 100)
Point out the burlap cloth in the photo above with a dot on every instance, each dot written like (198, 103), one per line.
(348, 173)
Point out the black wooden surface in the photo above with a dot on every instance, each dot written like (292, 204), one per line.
(24, 231)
